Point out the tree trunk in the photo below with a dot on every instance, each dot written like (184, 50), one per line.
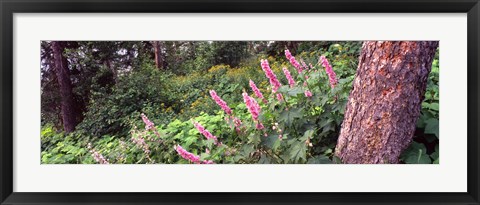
(158, 54)
(385, 101)
(65, 85)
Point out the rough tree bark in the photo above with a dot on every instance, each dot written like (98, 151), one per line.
(385, 101)
(65, 85)
(159, 58)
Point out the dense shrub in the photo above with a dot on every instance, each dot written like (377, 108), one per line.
(111, 111)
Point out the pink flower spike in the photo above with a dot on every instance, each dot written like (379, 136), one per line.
(308, 93)
(259, 126)
(304, 64)
(253, 108)
(187, 155)
(208, 162)
(270, 75)
(148, 124)
(279, 97)
(291, 82)
(256, 90)
(328, 69)
(237, 122)
(220, 102)
(293, 61)
(205, 132)
(97, 156)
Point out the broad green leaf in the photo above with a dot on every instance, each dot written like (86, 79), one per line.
(189, 140)
(264, 159)
(209, 143)
(416, 153)
(307, 135)
(295, 91)
(319, 160)
(204, 156)
(298, 151)
(288, 116)
(432, 106)
(283, 88)
(247, 149)
(436, 155)
(336, 160)
(432, 127)
(254, 139)
(272, 142)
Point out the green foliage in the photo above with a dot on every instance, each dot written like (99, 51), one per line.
(58, 148)
(298, 129)
(416, 154)
(110, 112)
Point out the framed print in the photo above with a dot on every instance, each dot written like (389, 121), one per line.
(184, 102)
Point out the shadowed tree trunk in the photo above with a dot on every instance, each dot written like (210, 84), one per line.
(159, 58)
(65, 85)
(385, 102)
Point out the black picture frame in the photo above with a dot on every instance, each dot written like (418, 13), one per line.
(9, 7)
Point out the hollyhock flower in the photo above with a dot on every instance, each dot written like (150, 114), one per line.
(270, 75)
(237, 122)
(190, 157)
(304, 65)
(254, 110)
(291, 82)
(205, 132)
(187, 155)
(293, 61)
(256, 90)
(220, 102)
(279, 97)
(207, 162)
(140, 141)
(328, 68)
(96, 155)
(259, 126)
(148, 124)
(311, 66)
(308, 93)
(252, 106)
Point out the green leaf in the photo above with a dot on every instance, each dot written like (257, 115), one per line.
(189, 140)
(319, 160)
(432, 127)
(298, 151)
(264, 159)
(209, 143)
(247, 149)
(436, 155)
(336, 160)
(431, 106)
(295, 91)
(204, 156)
(254, 139)
(307, 135)
(288, 116)
(416, 153)
(272, 142)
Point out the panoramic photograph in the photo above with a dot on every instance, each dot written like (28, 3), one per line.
(239, 102)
